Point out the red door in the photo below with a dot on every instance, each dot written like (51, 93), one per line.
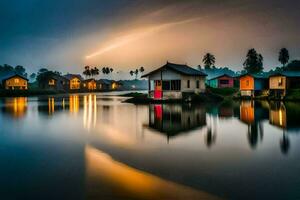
(158, 90)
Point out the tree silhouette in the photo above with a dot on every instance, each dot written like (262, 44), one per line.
(131, 73)
(283, 56)
(136, 72)
(94, 71)
(209, 60)
(20, 70)
(142, 70)
(253, 62)
(87, 71)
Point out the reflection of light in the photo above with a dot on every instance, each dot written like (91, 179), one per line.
(89, 111)
(63, 103)
(280, 117)
(135, 183)
(51, 105)
(17, 106)
(74, 104)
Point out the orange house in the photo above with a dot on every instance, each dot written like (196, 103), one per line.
(250, 83)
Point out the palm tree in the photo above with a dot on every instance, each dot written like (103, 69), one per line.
(209, 60)
(131, 73)
(94, 71)
(283, 56)
(136, 72)
(87, 71)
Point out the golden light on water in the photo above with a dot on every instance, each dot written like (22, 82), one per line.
(89, 111)
(130, 182)
(17, 106)
(74, 103)
(51, 104)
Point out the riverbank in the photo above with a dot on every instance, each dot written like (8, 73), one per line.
(138, 98)
(43, 92)
(212, 95)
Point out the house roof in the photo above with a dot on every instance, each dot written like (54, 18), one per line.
(221, 75)
(71, 76)
(88, 80)
(10, 75)
(256, 76)
(104, 81)
(182, 69)
(287, 74)
(55, 75)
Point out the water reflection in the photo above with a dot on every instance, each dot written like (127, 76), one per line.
(253, 113)
(104, 173)
(233, 140)
(174, 119)
(15, 107)
(89, 111)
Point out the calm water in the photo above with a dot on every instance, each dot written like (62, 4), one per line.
(96, 147)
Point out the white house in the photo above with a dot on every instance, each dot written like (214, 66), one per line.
(173, 81)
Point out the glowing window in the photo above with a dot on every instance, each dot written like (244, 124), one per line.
(51, 82)
(17, 80)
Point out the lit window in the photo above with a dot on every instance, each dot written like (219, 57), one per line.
(51, 82)
(17, 80)
(280, 82)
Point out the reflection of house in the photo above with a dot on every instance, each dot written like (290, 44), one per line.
(173, 80)
(281, 82)
(13, 81)
(221, 81)
(250, 84)
(173, 119)
(253, 113)
(285, 116)
(90, 84)
(278, 114)
(16, 106)
(74, 82)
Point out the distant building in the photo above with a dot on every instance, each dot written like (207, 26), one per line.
(74, 81)
(221, 81)
(282, 81)
(90, 84)
(54, 81)
(106, 85)
(251, 84)
(13, 81)
(172, 81)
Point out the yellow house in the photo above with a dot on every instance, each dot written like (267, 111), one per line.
(90, 84)
(75, 81)
(14, 82)
(279, 83)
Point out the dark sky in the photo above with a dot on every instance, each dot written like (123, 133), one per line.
(68, 34)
